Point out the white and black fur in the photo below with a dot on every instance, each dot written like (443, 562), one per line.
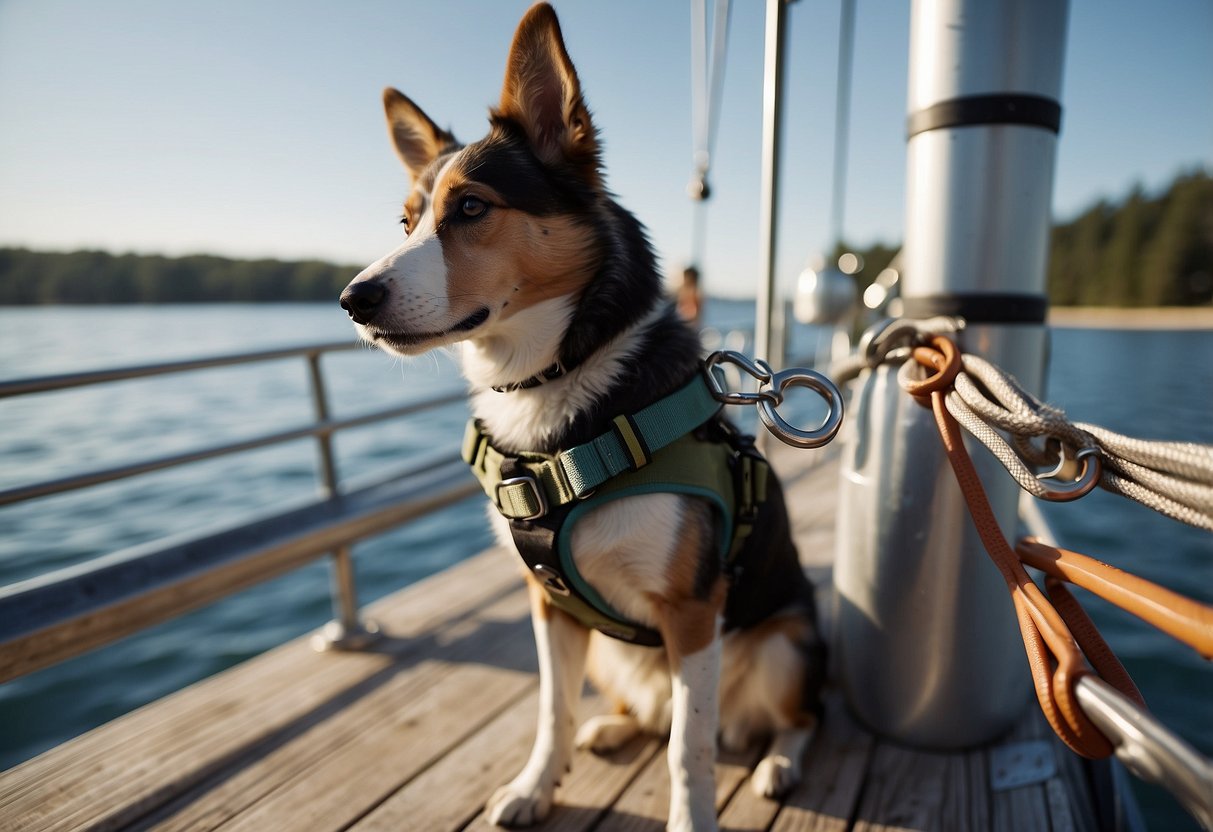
(516, 249)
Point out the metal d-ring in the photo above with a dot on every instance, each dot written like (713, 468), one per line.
(1088, 478)
(790, 434)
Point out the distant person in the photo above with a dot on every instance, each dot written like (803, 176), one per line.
(689, 299)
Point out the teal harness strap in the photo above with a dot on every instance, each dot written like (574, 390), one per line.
(547, 481)
(590, 465)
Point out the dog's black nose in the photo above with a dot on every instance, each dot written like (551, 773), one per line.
(362, 300)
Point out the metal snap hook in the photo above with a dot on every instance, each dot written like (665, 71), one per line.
(756, 368)
(788, 433)
(1088, 478)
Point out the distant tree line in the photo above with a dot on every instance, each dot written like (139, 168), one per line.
(1145, 251)
(35, 277)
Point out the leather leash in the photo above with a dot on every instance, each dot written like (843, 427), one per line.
(1055, 651)
(1181, 618)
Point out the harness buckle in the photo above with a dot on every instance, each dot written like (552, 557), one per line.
(529, 484)
(551, 579)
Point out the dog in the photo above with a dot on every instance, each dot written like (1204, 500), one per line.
(515, 248)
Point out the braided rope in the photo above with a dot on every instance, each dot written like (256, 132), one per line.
(1172, 478)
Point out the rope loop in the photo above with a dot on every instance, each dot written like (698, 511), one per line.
(943, 357)
(1024, 433)
(1061, 642)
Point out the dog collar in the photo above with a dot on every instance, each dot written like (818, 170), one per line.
(552, 373)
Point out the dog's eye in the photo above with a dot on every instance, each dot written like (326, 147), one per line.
(404, 220)
(472, 207)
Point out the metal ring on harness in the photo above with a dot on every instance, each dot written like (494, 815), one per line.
(794, 436)
(770, 395)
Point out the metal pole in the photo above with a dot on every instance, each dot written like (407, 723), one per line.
(324, 443)
(346, 631)
(928, 649)
(768, 314)
(842, 123)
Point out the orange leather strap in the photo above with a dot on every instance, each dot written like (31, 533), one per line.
(1182, 618)
(1055, 656)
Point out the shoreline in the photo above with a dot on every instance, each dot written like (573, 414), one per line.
(1106, 317)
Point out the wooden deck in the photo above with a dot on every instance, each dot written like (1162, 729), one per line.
(415, 734)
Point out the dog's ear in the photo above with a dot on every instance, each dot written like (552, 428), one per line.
(542, 94)
(417, 139)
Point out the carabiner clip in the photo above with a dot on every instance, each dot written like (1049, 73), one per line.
(755, 368)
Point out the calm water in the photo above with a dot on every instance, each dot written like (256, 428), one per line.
(1148, 384)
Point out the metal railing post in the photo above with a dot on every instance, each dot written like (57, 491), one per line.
(927, 646)
(324, 442)
(67, 612)
(347, 631)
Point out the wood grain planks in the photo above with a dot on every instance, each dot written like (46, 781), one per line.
(417, 734)
(131, 766)
(330, 774)
(835, 772)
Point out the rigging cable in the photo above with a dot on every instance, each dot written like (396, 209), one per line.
(842, 119)
(707, 87)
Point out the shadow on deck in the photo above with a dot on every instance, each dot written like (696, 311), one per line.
(416, 733)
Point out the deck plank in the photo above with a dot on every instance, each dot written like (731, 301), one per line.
(967, 795)
(417, 733)
(1024, 807)
(643, 806)
(127, 768)
(453, 791)
(403, 723)
(904, 790)
(450, 591)
(833, 776)
(591, 787)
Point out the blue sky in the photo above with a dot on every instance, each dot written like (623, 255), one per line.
(255, 129)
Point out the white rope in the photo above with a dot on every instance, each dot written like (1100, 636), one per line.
(1172, 478)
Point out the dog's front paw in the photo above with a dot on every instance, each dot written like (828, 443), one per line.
(517, 804)
(775, 776)
(605, 733)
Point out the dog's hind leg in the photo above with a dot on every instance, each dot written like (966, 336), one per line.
(561, 643)
(607, 732)
(780, 770)
(789, 667)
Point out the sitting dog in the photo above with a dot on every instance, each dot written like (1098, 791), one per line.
(515, 248)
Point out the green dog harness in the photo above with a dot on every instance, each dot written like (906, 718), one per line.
(676, 445)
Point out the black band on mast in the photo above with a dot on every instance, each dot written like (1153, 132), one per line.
(980, 308)
(970, 110)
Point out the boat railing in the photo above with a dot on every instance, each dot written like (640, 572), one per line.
(62, 614)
